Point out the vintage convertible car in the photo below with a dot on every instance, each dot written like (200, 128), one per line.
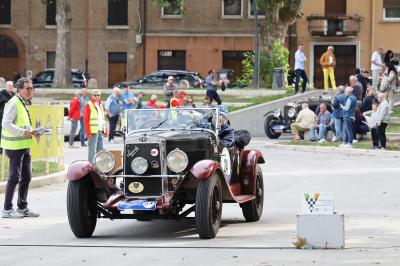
(278, 121)
(174, 162)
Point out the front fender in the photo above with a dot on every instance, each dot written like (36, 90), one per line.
(204, 169)
(248, 170)
(79, 169)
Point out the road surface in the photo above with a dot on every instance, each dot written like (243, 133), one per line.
(366, 189)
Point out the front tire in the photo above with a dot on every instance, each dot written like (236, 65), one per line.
(270, 121)
(252, 210)
(81, 207)
(208, 207)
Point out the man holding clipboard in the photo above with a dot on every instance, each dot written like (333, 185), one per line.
(16, 140)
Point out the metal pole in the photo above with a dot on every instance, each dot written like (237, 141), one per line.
(256, 77)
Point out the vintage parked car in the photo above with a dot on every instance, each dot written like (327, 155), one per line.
(278, 121)
(173, 163)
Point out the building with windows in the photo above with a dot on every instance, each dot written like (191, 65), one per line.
(119, 40)
(354, 27)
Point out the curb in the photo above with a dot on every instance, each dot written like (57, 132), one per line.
(362, 152)
(41, 181)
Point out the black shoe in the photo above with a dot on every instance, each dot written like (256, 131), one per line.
(83, 145)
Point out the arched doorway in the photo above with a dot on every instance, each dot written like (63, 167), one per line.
(9, 58)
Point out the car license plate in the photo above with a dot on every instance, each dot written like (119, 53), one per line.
(136, 205)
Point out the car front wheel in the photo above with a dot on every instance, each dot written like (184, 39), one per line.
(269, 123)
(81, 207)
(252, 210)
(208, 208)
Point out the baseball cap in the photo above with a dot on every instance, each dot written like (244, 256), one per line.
(182, 92)
(170, 77)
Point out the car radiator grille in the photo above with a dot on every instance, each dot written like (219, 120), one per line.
(142, 150)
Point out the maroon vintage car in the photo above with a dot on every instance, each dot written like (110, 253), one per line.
(174, 162)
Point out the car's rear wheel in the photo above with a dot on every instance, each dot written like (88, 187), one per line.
(208, 206)
(252, 210)
(269, 123)
(81, 207)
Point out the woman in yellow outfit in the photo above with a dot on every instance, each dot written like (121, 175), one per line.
(328, 63)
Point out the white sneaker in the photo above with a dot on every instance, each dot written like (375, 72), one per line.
(322, 141)
(355, 140)
(342, 145)
(11, 214)
(349, 146)
(334, 139)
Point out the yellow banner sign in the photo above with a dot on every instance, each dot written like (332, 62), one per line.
(48, 117)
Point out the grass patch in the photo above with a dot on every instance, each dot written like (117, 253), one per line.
(365, 144)
(261, 99)
(393, 129)
(38, 167)
(396, 112)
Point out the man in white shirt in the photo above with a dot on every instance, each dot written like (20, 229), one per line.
(377, 66)
(300, 60)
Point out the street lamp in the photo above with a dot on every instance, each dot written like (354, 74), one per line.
(256, 77)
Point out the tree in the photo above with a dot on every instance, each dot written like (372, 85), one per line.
(280, 14)
(62, 73)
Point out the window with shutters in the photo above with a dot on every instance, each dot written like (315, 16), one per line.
(391, 9)
(5, 12)
(117, 12)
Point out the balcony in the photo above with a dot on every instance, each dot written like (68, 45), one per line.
(334, 25)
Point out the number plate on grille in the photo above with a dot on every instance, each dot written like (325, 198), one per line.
(143, 187)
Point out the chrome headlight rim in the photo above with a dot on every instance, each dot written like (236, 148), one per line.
(135, 169)
(97, 164)
(277, 112)
(291, 112)
(170, 161)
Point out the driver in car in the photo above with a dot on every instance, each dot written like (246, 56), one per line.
(226, 133)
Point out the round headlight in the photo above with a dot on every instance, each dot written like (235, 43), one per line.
(177, 160)
(291, 112)
(139, 165)
(277, 112)
(104, 161)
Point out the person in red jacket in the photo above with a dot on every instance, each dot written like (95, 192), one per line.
(153, 102)
(74, 117)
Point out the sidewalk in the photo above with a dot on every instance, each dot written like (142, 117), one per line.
(330, 150)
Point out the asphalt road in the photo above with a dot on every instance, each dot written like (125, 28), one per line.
(365, 188)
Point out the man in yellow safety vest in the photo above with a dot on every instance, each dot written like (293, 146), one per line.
(95, 124)
(16, 140)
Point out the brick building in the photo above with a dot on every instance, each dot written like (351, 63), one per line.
(354, 27)
(125, 39)
(119, 40)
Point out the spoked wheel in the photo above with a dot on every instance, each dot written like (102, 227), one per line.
(253, 209)
(208, 207)
(81, 207)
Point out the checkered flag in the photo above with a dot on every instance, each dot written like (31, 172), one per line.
(311, 200)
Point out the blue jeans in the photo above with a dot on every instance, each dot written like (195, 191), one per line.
(95, 144)
(348, 130)
(322, 129)
(339, 128)
(82, 131)
(300, 73)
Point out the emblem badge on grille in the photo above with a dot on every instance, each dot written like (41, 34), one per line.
(143, 139)
(131, 153)
(136, 187)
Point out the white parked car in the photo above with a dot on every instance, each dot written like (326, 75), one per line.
(67, 125)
